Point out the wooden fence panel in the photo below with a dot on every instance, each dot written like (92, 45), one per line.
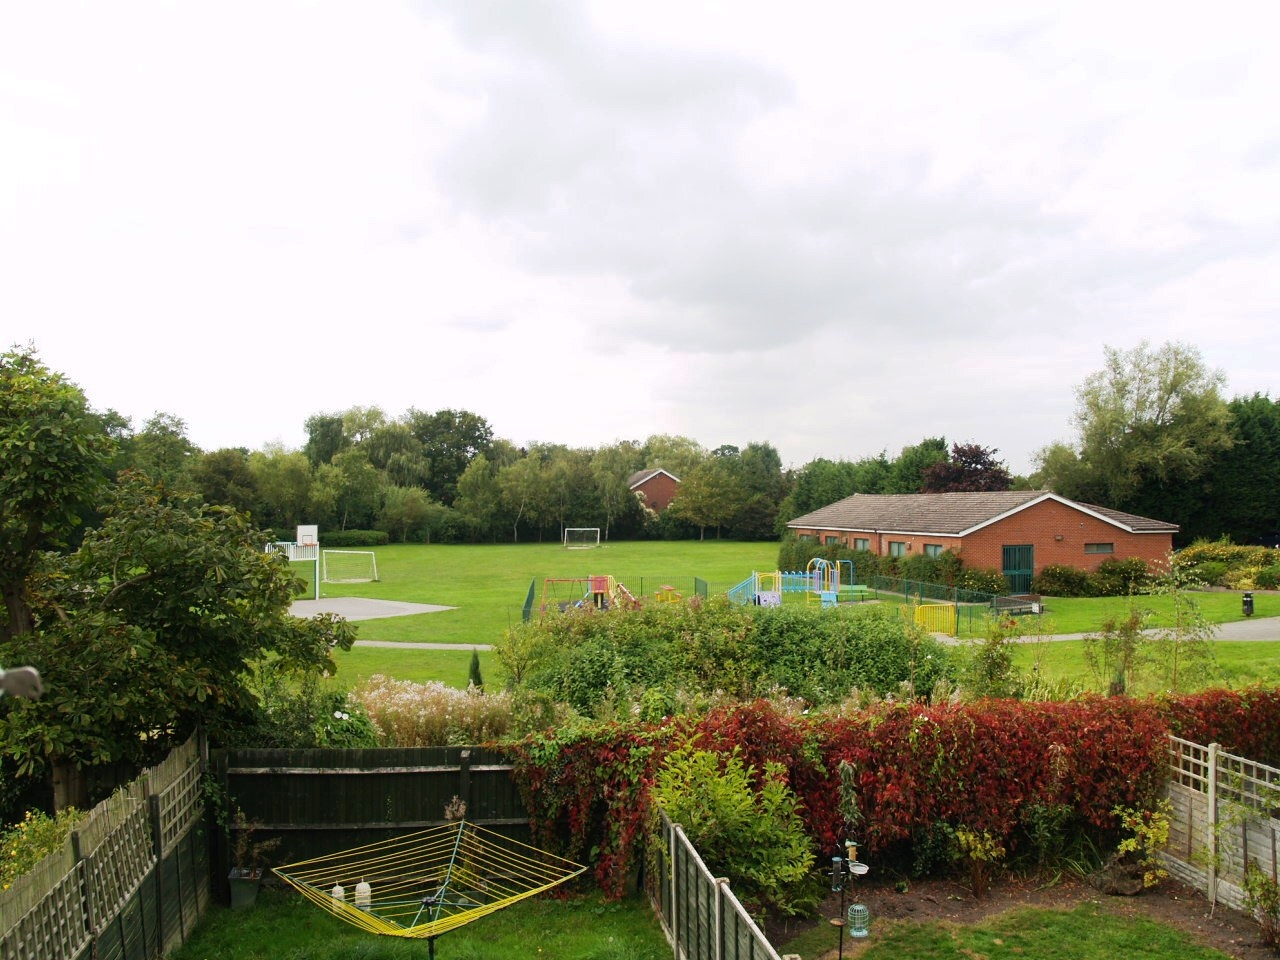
(102, 895)
(700, 915)
(320, 801)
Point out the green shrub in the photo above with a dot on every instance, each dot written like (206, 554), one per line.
(1212, 572)
(1268, 579)
(28, 842)
(756, 838)
(1121, 578)
(983, 580)
(1058, 580)
(353, 538)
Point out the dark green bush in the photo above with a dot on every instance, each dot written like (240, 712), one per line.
(353, 538)
(983, 580)
(1059, 580)
(1268, 579)
(1119, 578)
(1211, 571)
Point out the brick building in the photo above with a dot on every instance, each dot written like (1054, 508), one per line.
(657, 488)
(1018, 532)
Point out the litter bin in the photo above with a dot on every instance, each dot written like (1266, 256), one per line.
(1246, 604)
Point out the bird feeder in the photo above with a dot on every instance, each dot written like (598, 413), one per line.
(859, 920)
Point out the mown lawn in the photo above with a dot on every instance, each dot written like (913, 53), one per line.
(1085, 933)
(580, 927)
(488, 585)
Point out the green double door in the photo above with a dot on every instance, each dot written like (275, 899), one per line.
(1018, 567)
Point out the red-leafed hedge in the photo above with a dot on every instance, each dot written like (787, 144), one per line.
(974, 765)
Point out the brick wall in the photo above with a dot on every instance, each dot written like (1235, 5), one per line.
(659, 490)
(1056, 531)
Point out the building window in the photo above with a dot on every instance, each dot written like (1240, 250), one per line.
(830, 541)
(1099, 548)
(807, 537)
(897, 548)
(933, 549)
(861, 543)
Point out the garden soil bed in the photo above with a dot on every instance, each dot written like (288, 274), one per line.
(1172, 903)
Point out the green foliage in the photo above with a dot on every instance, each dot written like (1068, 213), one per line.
(1262, 901)
(151, 628)
(474, 678)
(1146, 835)
(1119, 578)
(52, 455)
(1117, 653)
(335, 539)
(1046, 830)
(981, 855)
(990, 671)
(32, 839)
(1057, 580)
(1268, 578)
(982, 580)
(746, 827)
(690, 652)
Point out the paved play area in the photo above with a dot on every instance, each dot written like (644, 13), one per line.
(361, 608)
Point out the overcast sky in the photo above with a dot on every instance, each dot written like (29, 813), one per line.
(837, 227)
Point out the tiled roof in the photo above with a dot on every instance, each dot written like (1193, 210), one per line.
(950, 513)
(640, 476)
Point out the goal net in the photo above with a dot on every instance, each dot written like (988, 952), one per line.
(581, 538)
(348, 566)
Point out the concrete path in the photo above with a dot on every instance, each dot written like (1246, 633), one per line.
(361, 608)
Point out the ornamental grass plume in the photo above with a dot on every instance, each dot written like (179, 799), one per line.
(407, 714)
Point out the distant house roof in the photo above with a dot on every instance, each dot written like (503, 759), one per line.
(953, 514)
(640, 476)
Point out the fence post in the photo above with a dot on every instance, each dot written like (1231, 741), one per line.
(1212, 771)
(721, 883)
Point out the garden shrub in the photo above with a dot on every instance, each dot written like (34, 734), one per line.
(353, 538)
(1268, 579)
(1059, 580)
(979, 766)
(1212, 572)
(407, 714)
(32, 839)
(677, 653)
(983, 580)
(745, 824)
(1120, 578)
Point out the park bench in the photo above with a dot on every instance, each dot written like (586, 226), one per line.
(1027, 603)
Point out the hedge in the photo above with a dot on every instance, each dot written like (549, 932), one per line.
(973, 765)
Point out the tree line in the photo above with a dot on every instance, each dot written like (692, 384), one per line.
(1154, 437)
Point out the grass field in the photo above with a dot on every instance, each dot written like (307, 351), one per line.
(284, 925)
(1086, 933)
(488, 585)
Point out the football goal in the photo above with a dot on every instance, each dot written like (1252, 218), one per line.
(348, 566)
(581, 538)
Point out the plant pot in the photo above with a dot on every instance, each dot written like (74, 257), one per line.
(244, 888)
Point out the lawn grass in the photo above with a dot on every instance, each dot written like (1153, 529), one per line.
(1087, 932)
(487, 586)
(1240, 663)
(581, 927)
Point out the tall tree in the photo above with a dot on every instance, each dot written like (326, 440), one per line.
(710, 496)
(223, 476)
(970, 468)
(612, 466)
(479, 495)
(325, 437)
(1151, 417)
(283, 480)
(152, 627)
(907, 473)
(450, 440)
(163, 452)
(52, 455)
